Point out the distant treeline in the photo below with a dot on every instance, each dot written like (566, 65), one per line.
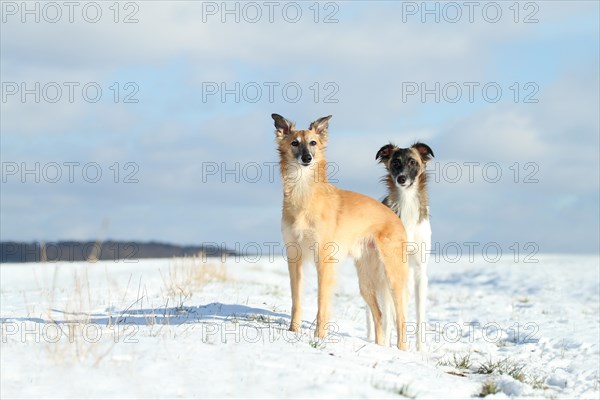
(18, 252)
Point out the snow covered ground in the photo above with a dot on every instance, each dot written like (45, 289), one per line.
(175, 328)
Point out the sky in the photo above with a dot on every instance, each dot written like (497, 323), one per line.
(150, 120)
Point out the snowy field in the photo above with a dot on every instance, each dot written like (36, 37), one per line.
(178, 328)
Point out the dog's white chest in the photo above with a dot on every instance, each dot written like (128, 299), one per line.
(408, 208)
(410, 214)
(298, 231)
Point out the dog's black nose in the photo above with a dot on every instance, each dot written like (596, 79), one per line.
(402, 179)
(306, 158)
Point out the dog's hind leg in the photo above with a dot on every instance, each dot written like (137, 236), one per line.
(365, 268)
(388, 317)
(374, 312)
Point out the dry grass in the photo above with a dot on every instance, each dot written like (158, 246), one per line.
(70, 312)
(188, 275)
(503, 367)
(405, 391)
(514, 369)
(78, 340)
(489, 387)
(460, 362)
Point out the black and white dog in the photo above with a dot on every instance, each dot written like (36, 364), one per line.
(407, 197)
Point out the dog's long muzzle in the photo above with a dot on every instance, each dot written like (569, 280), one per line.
(306, 158)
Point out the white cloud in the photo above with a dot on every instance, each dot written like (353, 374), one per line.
(369, 54)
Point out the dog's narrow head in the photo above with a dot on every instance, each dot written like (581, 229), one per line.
(304, 147)
(405, 166)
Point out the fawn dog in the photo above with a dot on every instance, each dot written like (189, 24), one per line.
(326, 223)
(406, 180)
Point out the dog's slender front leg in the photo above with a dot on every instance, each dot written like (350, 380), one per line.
(295, 269)
(325, 273)
(420, 271)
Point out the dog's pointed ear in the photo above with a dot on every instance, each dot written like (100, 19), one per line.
(384, 153)
(424, 151)
(321, 125)
(283, 126)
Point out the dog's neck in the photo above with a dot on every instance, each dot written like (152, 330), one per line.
(410, 204)
(299, 183)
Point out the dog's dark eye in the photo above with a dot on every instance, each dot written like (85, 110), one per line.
(412, 163)
(295, 143)
(313, 143)
(396, 163)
